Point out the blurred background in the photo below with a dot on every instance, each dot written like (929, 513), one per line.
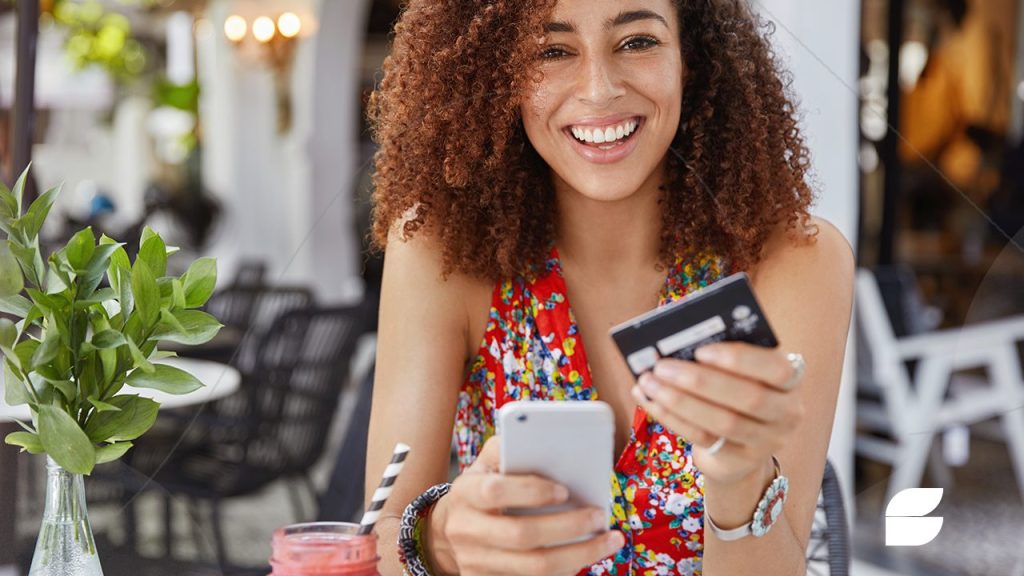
(236, 129)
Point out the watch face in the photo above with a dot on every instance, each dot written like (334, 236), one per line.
(770, 507)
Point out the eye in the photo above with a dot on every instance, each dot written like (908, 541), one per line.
(552, 53)
(639, 43)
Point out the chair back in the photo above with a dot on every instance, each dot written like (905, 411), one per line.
(302, 368)
(878, 337)
(270, 304)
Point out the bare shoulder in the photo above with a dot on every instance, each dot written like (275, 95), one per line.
(415, 283)
(814, 259)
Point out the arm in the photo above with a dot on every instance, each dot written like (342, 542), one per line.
(743, 393)
(807, 292)
(421, 345)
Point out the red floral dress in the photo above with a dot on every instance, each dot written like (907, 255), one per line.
(530, 351)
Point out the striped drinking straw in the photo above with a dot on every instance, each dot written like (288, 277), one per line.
(380, 495)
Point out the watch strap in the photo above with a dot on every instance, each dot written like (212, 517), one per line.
(765, 514)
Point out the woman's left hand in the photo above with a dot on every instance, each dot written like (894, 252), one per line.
(743, 393)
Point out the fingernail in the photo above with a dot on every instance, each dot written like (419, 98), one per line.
(638, 395)
(706, 354)
(649, 384)
(561, 493)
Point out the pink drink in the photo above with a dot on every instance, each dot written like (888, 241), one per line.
(323, 549)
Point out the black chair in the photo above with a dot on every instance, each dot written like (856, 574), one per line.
(275, 427)
(828, 551)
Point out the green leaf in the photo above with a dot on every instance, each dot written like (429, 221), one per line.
(189, 327)
(19, 188)
(11, 280)
(136, 415)
(16, 305)
(32, 221)
(147, 233)
(28, 441)
(177, 293)
(108, 360)
(15, 392)
(8, 333)
(23, 352)
(93, 274)
(118, 261)
(98, 297)
(48, 350)
(49, 372)
(8, 207)
(161, 354)
(80, 248)
(108, 339)
(200, 281)
(141, 363)
(127, 300)
(64, 441)
(146, 293)
(154, 253)
(165, 378)
(66, 387)
(31, 261)
(102, 406)
(111, 452)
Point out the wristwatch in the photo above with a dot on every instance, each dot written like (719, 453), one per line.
(765, 515)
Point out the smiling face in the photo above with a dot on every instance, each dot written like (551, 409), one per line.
(607, 104)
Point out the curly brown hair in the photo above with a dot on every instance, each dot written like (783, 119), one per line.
(454, 155)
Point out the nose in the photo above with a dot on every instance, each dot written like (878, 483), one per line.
(599, 81)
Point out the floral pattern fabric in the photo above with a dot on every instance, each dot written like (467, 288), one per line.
(531, 351)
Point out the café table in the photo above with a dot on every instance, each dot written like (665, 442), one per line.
(219, 380)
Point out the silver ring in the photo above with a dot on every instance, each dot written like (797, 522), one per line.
(714, 448)
(796, 360)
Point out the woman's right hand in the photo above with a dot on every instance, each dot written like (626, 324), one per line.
(467, 534)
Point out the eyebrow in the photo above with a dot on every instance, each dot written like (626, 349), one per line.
(623, 18)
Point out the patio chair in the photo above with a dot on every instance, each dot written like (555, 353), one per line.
(828, 550)
(281, 418)
(920, 391)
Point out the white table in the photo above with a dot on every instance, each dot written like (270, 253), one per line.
(219, 380)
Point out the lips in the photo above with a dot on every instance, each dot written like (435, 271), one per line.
(605, 141)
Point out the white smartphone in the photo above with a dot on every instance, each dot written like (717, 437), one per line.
(569, 442)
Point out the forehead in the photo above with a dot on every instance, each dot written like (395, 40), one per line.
(600, 12)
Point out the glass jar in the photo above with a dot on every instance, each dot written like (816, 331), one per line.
(323, 549)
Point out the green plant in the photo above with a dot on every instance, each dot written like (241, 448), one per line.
(77, 346)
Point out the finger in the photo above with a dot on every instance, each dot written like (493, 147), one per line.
(693, 433)
(744, 395)
(567, 559)
(524, 533)
(713, 418)
(495, 492)
(489, 459)
(768, 365)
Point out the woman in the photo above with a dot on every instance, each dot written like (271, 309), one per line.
(615, 154)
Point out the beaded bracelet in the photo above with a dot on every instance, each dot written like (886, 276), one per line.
(410, 532)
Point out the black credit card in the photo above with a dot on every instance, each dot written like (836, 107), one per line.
(724, 311)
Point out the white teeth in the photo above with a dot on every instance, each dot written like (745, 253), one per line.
(609, 134)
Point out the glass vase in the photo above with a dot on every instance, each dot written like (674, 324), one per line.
(65, 546)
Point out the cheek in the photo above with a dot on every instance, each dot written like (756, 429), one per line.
(535, 111)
